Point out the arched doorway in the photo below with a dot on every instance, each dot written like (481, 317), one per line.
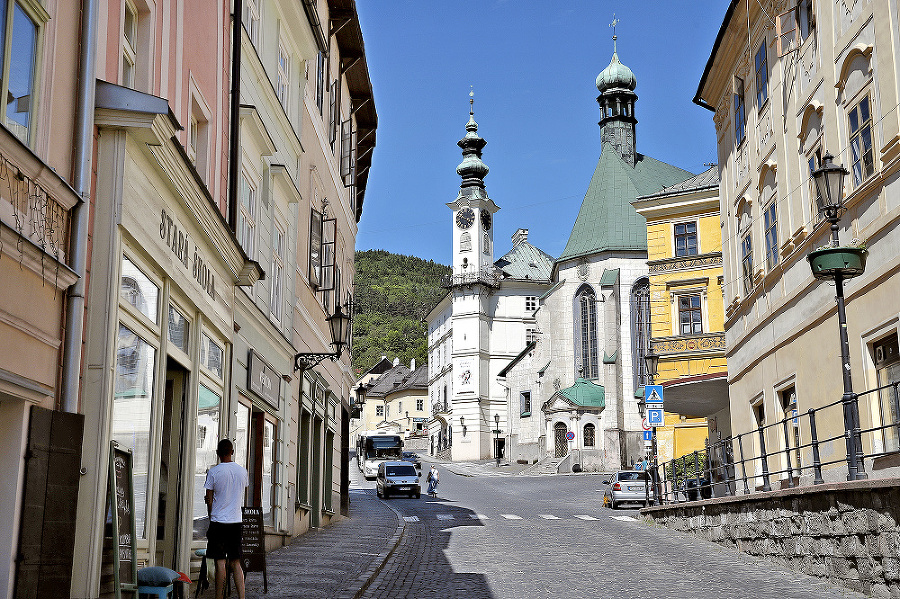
(562, 445)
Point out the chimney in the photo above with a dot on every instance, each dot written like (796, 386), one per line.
(519, 236)
(396, 361)
(412, 364)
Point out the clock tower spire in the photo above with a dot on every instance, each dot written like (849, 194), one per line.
(473, 211)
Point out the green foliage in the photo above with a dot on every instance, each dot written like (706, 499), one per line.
(393, 294)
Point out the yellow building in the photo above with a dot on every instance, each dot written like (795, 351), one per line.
(684, 247)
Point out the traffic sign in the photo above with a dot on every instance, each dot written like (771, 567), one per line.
(648, 435)
(645, 424)
(570, 436)
(656, 417)
(653, 394)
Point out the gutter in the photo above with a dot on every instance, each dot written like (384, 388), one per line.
(70, 381)
(234, 134)
(698, 99)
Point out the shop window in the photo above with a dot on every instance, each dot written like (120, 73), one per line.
(138, 291)
(242, 435)
(686, 239)
(211, 355)
(589, 431)
(862, 153)
(690, 320)
(132, 403)
(887, 366)
(762, 76)
(269, 459)
(179, 329)
(525, 404)
(586, 306)
(770, 222)
(208, 406)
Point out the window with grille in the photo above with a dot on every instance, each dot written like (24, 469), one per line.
(589, 432)
(588, 361)
(690, 317)
(686, 239)
(862, 154)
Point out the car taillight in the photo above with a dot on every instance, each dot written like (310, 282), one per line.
(617, 487)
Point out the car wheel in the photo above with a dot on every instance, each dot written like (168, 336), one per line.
(418, 495)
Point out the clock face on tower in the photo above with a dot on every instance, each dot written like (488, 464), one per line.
(465, 218)
(486, 220)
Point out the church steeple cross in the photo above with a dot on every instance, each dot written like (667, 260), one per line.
(615, 22)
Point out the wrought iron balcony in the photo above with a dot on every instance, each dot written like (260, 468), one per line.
(489, 276)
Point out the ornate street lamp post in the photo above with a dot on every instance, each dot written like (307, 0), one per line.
(651, 359)
(339, 324)
(840, 263)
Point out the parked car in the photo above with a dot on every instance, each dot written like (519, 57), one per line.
(627, 486)
(412, 458)
(397, 477)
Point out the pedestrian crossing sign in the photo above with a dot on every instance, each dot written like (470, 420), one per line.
(653, 394)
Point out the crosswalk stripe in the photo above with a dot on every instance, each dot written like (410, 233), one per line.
(624, 518)
(479, 517)
(511, 516)
(583, 517)
(548, 516)
(445, 516)
(411, 518)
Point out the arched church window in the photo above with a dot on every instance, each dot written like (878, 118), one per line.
(587, 361)
(589, 435)
(640, 330)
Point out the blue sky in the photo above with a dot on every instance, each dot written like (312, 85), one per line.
(532, 65)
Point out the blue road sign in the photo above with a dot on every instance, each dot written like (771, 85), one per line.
(653, 394)
(655, 417)
(648, 435)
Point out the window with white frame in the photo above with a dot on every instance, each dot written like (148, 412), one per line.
(887, 367)
(129, 44)
(770, 224)
(762, 76)
(250, 20)
(320, 82)
(747, 262)
(420, 404)
(686, 239)
(246, 225)
(277, 272)
(690, 315)
(198, 138)
(861, 151)
(283, 79)
(19, 36)
(814, 160)
(740, 112)
(530, 335)
(530, 303)
(379, 411)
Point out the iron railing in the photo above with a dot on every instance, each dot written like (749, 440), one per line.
(743, 463)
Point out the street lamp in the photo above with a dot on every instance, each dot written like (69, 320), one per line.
(651, 360)
(339, 324)
(840, 263)
(497, 438)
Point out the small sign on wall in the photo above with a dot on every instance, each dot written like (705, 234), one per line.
(263, 380)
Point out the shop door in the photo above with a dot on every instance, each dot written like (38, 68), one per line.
(263, 444)
(171, 467)
(562, 445)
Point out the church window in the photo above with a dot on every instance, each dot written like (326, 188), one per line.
(586, 345)
(690, 319)
(686, 239)
(740, 114)
(640, 331)
(762, 76)
(589, 430)
(525, 404)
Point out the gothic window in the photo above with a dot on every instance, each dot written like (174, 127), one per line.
(640, 330)
(587, 363)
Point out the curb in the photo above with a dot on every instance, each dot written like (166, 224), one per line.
(366, 578)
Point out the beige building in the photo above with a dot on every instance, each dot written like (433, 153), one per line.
(789, 83)
(396, 399)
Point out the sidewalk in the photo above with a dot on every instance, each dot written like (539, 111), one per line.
(336, 562)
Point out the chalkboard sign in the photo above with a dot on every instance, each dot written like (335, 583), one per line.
(121, 501)
(253, 543)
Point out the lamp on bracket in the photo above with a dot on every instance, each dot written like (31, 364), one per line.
(339, 324)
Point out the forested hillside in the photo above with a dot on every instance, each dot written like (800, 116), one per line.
(393, 293)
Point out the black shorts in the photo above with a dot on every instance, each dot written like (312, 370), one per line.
(223, 541)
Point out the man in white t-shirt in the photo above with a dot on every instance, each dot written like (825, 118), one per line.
(225, 484)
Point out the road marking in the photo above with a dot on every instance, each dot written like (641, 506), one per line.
(411, 518)
(479, 517)
(511, 516)
(548, 516)
(624, 518)
(445, 516)
(583, 517)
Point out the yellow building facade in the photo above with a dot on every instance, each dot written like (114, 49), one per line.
(684, 246)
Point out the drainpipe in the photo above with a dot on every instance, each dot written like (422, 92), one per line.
(83, 142)
(234, 157)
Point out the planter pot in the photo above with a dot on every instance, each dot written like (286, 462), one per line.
(828, 263)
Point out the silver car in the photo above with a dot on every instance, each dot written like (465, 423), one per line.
(628, 486)
(396, 478)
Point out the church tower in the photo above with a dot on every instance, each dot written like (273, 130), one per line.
(616, 85)
(472, 283)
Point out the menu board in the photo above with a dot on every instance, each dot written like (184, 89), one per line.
(253, 540)
(121, 501)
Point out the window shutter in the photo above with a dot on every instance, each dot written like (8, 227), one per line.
(348, 153)
(315, 249)
(329, 230)
(786, 24)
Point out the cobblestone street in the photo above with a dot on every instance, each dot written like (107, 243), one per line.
(514, 537)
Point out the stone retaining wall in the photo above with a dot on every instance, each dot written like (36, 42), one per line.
(845, 532)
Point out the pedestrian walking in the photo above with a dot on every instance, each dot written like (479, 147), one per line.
(433, 480)
(225, 484)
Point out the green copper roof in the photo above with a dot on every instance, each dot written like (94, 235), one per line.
(607, 221)
(609, 277)
(526, 262)
(611, 359)
(586, 394)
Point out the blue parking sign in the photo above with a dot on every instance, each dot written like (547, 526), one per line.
(655, 417)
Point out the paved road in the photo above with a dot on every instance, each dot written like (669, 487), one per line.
(495, 536)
